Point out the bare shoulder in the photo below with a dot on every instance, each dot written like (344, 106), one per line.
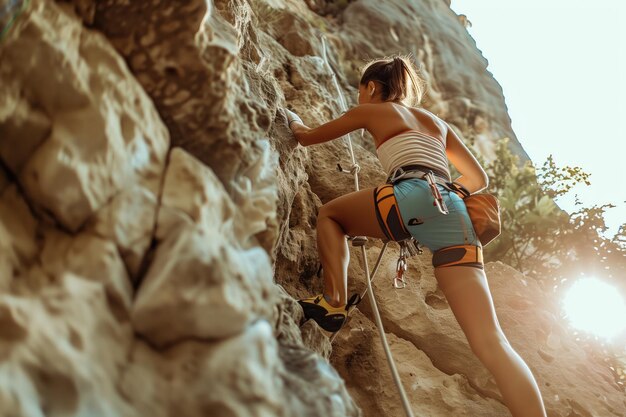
(357, 111)
(363, 113)
(366, 108)
(423, 111)
(430, 121)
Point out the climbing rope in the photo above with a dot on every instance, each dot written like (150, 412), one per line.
(354, 170)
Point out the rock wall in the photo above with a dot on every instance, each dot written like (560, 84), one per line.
(157, 218)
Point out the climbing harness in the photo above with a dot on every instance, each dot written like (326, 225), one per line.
(482, 208)
(462, 255)
(388, 214)
(425, 173)
(360, 241)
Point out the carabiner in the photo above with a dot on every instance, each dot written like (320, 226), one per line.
(441, 205)
(401, 267)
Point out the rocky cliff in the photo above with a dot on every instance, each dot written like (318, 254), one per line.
(157, 218)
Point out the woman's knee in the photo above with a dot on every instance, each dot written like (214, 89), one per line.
(324, 211)
(327, 212)
(489, 345)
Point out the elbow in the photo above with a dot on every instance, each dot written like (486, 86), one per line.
(479, 182)
(482, 178)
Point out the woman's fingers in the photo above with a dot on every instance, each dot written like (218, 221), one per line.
(291, 116)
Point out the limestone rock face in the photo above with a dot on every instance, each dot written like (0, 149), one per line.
(62, 352)
(250, 374)
(17, 235)
(216, 106)
(201, 282)
(431, 391)
(157, 218)
(93, 131)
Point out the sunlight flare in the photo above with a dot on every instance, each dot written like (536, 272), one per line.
(596, 307)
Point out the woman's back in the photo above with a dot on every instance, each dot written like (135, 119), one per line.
(394, 118)
(409, 137)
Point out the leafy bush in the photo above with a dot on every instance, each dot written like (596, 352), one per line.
(540, 239)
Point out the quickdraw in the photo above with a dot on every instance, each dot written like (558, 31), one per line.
(408, 248)
(401, 266)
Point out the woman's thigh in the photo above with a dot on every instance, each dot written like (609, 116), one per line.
(355, 213)
(468, 295)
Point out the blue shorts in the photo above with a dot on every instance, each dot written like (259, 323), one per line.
(408, 209)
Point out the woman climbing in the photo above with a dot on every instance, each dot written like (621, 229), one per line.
(410, 142)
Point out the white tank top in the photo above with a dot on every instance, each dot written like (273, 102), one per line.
(413, 148)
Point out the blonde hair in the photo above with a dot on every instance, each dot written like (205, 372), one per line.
(395, 74)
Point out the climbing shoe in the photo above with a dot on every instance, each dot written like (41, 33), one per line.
(328, 317)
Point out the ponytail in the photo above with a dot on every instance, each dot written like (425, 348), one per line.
(398, 78)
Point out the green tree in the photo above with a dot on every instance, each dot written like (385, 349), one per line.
(538, 237)
(531, 221)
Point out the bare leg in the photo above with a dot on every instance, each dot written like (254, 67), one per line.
(467, 292)
(351, 214)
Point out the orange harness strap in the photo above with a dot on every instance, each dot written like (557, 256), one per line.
(459, 255)
(388, 213)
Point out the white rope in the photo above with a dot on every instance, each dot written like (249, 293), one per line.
(344, 107)
(354, 170)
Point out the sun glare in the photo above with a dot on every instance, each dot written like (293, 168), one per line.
(596, 307)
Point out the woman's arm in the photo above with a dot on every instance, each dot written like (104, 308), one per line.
(353, 119)
(473, 176)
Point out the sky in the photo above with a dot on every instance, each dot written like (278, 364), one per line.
(562, 67)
